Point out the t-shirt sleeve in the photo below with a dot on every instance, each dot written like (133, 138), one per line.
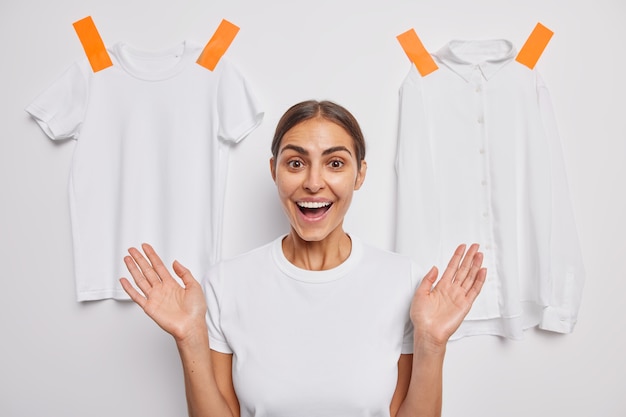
(211, 287)
(238, 108)
(59, 110)
(417, 273)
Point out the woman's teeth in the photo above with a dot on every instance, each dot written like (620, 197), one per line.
(313, 204)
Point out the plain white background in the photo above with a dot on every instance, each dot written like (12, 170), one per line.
(106, 358)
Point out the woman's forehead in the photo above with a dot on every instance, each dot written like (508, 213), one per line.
(317, 133)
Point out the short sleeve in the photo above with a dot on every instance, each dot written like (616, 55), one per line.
(407, 342)
(211, 287)
(238, 109)
(417, 273)
(59, 110)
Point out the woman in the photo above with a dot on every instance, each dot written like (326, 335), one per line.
(315, 323)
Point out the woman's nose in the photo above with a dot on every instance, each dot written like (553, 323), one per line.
(314, 180)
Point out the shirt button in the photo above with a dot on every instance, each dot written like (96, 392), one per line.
(482, 151)
(480, 120)
(483, 182)
(478, 89)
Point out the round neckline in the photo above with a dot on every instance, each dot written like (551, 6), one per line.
(316, 277)
(154, 65)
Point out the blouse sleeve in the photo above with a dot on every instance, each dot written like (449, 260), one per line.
(416, 192)
(566, 272)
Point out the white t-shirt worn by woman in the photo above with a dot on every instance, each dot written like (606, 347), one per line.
(312, 343)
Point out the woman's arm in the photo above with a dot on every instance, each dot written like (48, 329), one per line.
(436, 312)
(405, 364)
(180, 311)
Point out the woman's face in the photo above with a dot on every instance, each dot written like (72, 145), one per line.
(316, 172)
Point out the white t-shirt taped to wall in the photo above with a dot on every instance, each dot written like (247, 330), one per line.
(312, 343)
(152, 136)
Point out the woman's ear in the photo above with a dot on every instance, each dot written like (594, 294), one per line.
(360, 176)
(273, 168)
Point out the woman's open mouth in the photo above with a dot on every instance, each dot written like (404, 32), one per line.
(313, 209)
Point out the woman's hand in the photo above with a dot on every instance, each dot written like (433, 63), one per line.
(178, 310)
(438, 310)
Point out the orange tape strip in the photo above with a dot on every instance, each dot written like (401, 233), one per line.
(218, 44)
(92, 44)
(534, 46)
(416, 52)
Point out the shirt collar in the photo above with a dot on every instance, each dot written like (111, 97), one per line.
(463, 57)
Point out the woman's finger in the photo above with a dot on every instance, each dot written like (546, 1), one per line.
(428, 282)
(466, 265)
(138, 276)
(146, 267)
(470, 277)
(133, 293)
(453, 265)
(184, 274)
(477, 285)
(157, 264)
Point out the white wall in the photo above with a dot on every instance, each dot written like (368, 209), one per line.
(62, 358)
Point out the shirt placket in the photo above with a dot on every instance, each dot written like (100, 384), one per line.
(478, 84)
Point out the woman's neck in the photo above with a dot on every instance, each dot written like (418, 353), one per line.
(321, 255)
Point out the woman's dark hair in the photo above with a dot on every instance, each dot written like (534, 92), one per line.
(327, 110)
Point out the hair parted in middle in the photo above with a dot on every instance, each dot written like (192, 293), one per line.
(327, 110)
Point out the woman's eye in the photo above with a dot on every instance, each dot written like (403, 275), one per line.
(294, 164)
(336, 163)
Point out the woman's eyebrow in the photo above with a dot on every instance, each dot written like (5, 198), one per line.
(302, 151)
(298, 149)
(336, 149)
